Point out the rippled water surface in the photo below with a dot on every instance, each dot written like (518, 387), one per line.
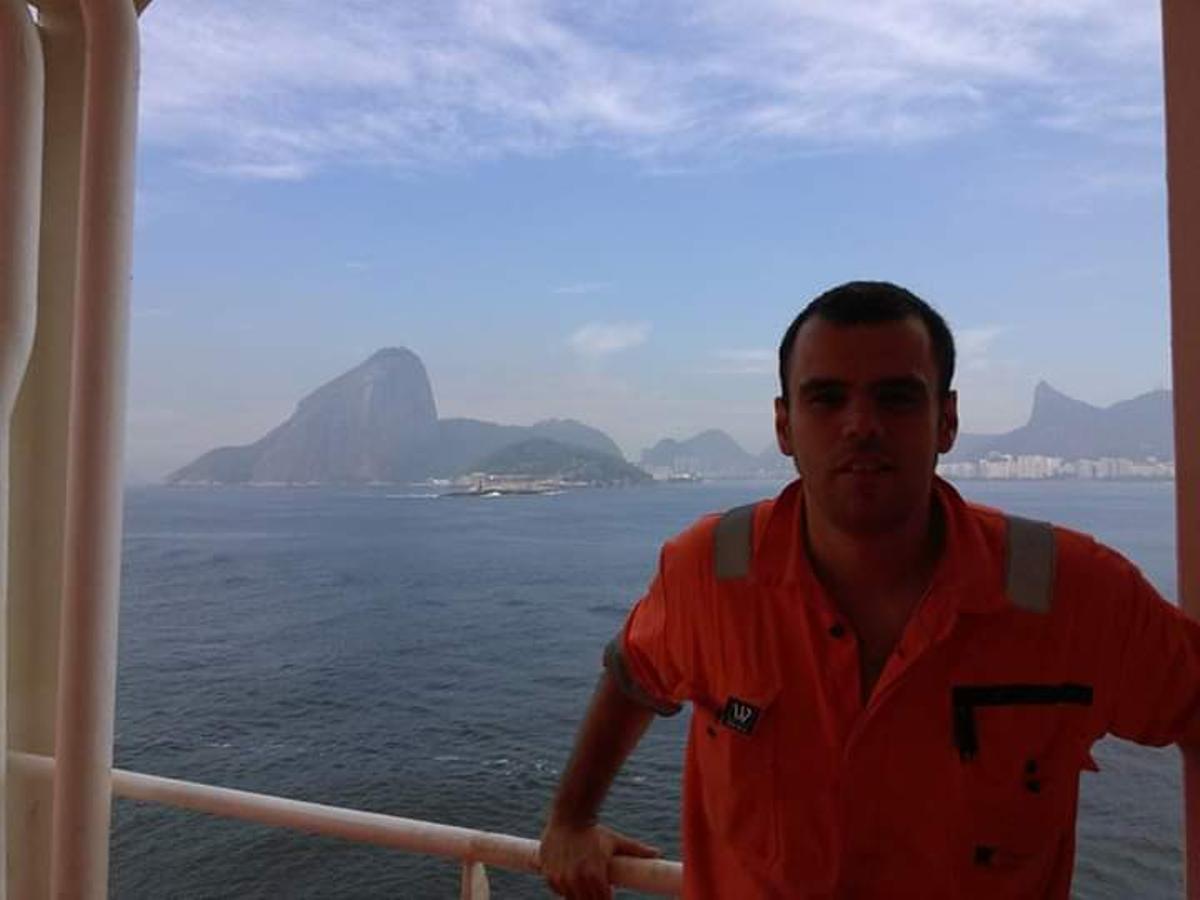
(431, 657)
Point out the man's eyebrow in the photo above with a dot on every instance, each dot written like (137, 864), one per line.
(902, 382)
(811, 385)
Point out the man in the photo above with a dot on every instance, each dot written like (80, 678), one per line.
(893, 691)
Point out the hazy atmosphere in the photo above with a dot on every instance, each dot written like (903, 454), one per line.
(610, 213)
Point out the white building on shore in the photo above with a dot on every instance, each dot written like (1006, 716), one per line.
(1007, 466)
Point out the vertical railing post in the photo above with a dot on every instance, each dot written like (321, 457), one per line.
(21, 103)
(91, 581)
(474, 881)
(39, 459)
(1181, 38)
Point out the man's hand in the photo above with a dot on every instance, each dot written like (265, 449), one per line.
(574, 859)
(575, 852)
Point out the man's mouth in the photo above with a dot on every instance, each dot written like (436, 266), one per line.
(865, 467)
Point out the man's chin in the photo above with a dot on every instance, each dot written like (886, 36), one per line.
(870, 520)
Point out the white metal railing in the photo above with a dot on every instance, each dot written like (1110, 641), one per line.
(1181, 70)
(22, 83)
(87, 663)
(474, 849)
(38, 469)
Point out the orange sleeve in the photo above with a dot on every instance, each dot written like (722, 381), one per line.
(1155, 675)
(653, 658)
(646, 650)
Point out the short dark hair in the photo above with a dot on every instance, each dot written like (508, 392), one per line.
(867, 303)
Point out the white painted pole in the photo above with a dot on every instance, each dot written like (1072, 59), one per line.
(21, 98)
(473, 883)
(475, 848)
(88, 638)
(39, 459)
(1181, 38)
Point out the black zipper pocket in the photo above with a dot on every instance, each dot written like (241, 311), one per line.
(966, 697)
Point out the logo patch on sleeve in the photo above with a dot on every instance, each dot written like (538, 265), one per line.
(740, 715)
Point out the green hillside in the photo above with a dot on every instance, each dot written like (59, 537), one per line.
(549, 459)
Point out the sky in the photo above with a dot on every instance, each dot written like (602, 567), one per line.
(610, 211)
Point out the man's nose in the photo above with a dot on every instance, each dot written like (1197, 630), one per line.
(861, 420)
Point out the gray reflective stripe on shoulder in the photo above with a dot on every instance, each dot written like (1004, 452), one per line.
(733, 542)
(614, 662)
(1029, 564)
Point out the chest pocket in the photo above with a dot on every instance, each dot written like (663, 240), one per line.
(738, 761)
(1021, 748)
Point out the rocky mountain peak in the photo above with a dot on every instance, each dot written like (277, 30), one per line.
(1063, 426)
(376, 422)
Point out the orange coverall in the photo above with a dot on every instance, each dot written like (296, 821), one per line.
(959, 777)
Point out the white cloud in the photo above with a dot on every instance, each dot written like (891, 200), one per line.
(974, 346)
(993, 387)
(283, 170)
(281, 88)
(1094, 181)
(745, 362)
(602, 339)
(582, 287)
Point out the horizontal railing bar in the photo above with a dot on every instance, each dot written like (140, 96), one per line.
(653, 876)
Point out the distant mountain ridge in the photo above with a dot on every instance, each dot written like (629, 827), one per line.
(1062, 426)
(542, 457)
(377, 423)
(1058, 425)
(712, 451)
(463, 444)
(713, 454)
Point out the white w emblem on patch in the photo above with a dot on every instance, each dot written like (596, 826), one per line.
(739, 715)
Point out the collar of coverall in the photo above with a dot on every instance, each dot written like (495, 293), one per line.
(969, 573)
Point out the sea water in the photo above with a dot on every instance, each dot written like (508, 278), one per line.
(430, 657)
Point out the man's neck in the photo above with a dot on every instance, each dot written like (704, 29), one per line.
(891, 566)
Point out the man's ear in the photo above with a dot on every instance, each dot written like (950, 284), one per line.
(947, 422)
(783, 427)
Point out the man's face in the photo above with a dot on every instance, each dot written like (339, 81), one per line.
(864, 421)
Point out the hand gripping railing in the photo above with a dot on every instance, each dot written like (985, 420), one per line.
(475, 849)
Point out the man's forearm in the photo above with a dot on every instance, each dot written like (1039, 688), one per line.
(611, 729)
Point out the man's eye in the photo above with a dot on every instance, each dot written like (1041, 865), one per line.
(825, 398)
(899, 399)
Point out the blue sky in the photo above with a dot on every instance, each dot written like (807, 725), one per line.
(598, 211)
